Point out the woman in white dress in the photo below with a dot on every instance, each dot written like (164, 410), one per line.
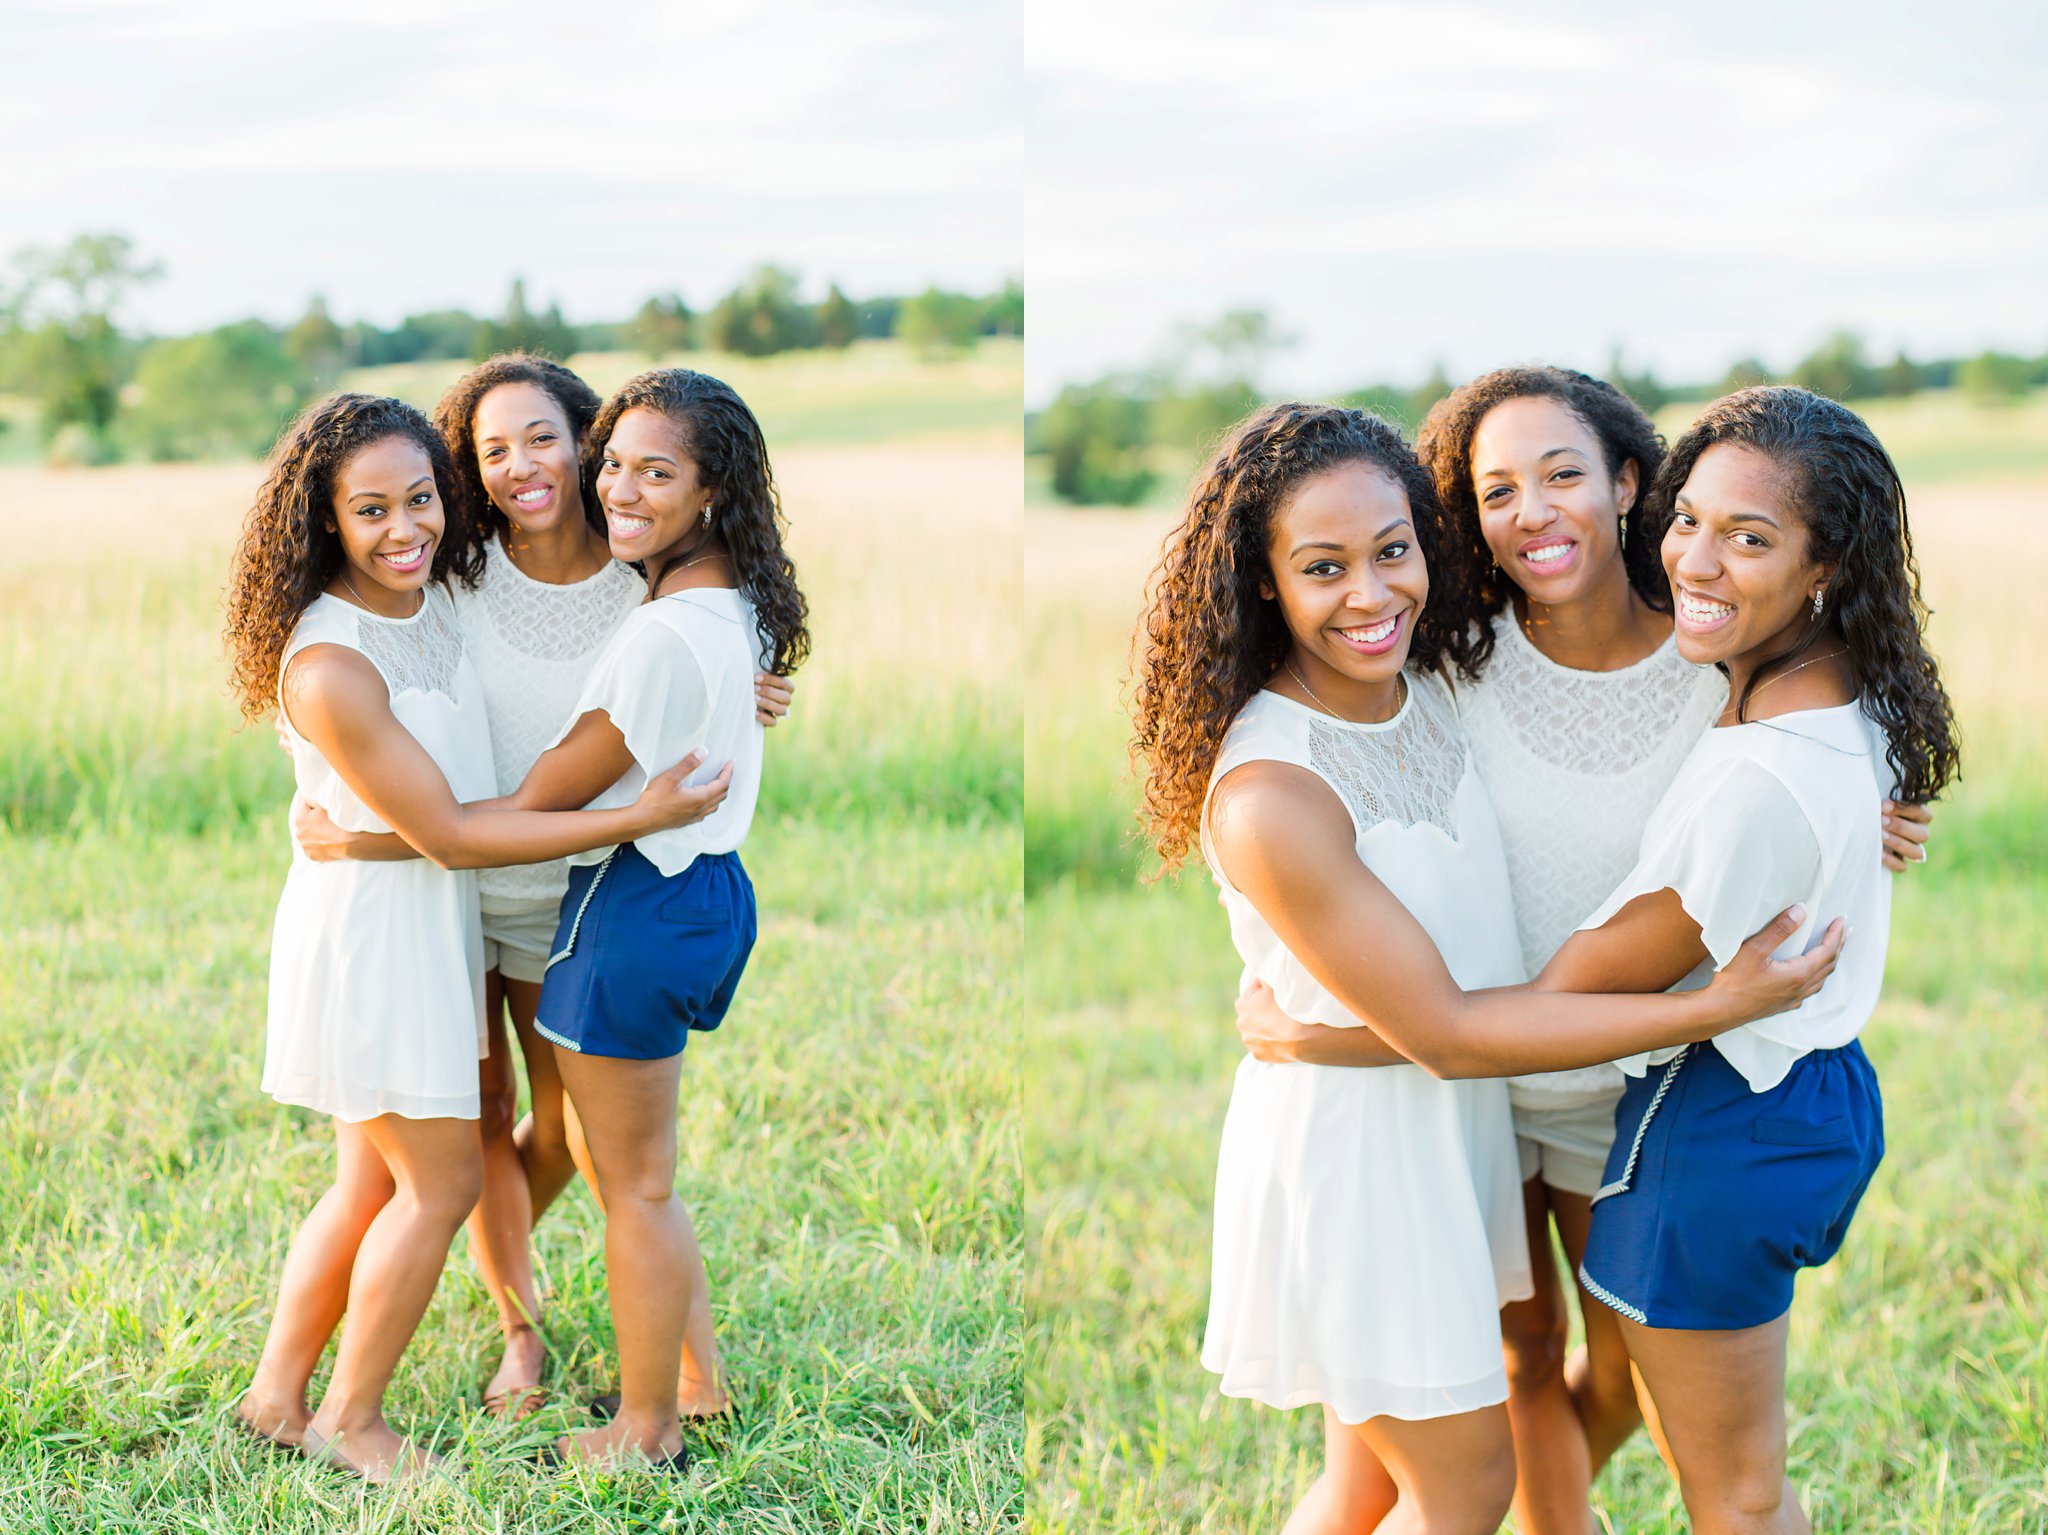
(1368, 1224)
(338, 615)
(1581, 709)
(548, 596)
(1784, 538)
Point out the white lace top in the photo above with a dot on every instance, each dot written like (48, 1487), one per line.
(1423, 827)
(1575, 762)
(1761, 816)
(533, 644)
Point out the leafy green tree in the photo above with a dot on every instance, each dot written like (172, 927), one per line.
(838, 322)
(1097, 436)
(1417, 402)
(71, 349)
(1901, 377)
(1838, 369)
(1994, 378)
(935, 322)
(317, 345)
(1641, 387)
(1744, 373)
(222, 393)
(762, 316)
(519, 329)
(1189, 419)
(1002, 312)
(660, 327)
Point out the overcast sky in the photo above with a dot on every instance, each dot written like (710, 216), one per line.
(1475, 184)
(401, 155)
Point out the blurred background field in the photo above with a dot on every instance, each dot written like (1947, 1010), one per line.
(850, 1139)
(1918, 1356)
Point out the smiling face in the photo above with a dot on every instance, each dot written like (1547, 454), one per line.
(526, 454)
(1548, 508)
(1351, 581)
(387, 513)
(1742, 582)
(647, 482)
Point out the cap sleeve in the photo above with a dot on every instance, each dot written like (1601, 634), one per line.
(1736, 856)
(648, 680)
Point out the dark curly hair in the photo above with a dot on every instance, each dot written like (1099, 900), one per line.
(1209, 640)
(286, 555)
(455, 419)
(1444, 445)
(724, 441)
(1842, 485)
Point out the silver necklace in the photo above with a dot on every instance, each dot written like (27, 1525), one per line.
(1302, 682)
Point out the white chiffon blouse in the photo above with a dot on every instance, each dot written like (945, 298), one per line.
(1759, 817)
(679, 675)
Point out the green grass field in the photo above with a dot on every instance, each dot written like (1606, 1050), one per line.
(1919, 1356)
(850, 1138)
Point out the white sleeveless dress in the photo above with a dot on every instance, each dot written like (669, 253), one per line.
(376, 969)
(1369, 1220)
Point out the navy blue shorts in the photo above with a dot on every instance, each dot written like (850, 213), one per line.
(1731, 1192)
(641, 959)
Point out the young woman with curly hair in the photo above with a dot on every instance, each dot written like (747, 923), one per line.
(1581, 709)
(339, 616)
(547, 597)
(655, 932)
(1296, 720)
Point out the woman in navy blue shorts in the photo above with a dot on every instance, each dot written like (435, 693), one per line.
(654, 934)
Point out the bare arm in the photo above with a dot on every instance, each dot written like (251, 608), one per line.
(1287, 844)
(339, 703)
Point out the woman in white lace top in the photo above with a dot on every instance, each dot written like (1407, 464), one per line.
(548, 597)
(1581, 712)
(338, 616)
(1367, 1223)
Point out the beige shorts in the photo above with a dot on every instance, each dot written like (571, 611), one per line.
(1567, 1146)
(519, 936)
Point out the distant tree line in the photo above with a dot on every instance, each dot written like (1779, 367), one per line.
(102, 390)
(1109, 442)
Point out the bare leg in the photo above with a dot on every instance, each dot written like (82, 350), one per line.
(1353, 1494)
(501, 1226)
(313, 1290)
(1602, 1384)
(543, 1136)
(656, 1276)
(436, 1165)
(1721, 1397)
(1455, 1475)
(1553, 1475)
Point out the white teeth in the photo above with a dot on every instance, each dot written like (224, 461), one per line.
(1547, 554)
(407, 559)
(1373, 635)
(531, 495)
(1700, 610)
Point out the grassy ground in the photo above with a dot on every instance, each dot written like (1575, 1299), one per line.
(849, 1138)
(1918, 1356)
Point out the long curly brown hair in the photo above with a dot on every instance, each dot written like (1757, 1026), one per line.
(1209, 639)
(1842, 485)
(455, 419)
(286, 555)
(724, 440)
(1444, 444)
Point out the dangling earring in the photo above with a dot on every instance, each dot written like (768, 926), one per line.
(1816, 602)
(707, 514)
